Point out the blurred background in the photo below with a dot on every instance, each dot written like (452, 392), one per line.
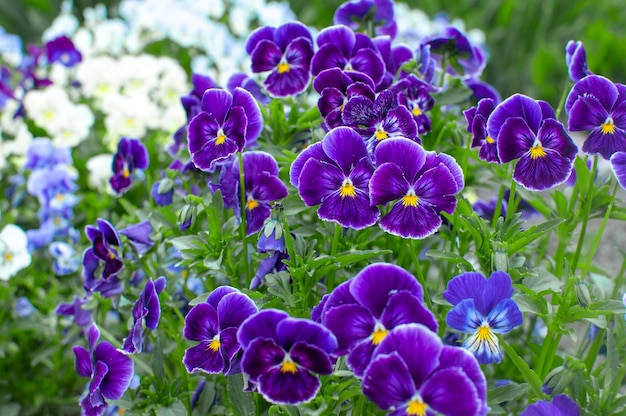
(526, 39)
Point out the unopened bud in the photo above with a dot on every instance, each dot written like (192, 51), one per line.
(187, 217)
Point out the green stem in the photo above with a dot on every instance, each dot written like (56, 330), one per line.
(444, 68)
(420, 274)
(243, 215)
(140, 363)
(498, 209)
(585, 218)
(330, 279)
(566, 89)
(511, 204)
(596, 241)
(529, 375)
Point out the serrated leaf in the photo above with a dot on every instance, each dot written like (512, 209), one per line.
(532, 234)
(507, 393)
(543, 281)
(240, 401)
(187, 242)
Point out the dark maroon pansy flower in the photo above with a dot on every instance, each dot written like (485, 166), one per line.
(420, 184)
(286, 51)
(414, 94)
(379, 119)
(338, 181)
(476, 118)
(110, 372)
(529, 131)
(214, 324)
(131, 155)
(576, 60)
(282, 355)
(363, 14)
(227, 122)
(598, 105)
(146, 314)
(62, 50)
(340, 47)
(413, 373)
(381, 297)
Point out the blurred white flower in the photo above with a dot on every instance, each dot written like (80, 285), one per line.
(14, 255)
(100, 170)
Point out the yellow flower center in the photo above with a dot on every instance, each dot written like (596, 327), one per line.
(111, 255)
(8, 256)
(381, 134)
(379, 334)
(220, 139)
(347, 189)
(608, 127)
(288, 366)
(252, 204)
(416, 111)
(417, 407)
(484, 332)
(489, 140)
(215, 343)
(283, 67)
(56, 220)
(48, 114)
(126, 173)
(537, 151)
(59, 197)
(410, 199)
(129, 122)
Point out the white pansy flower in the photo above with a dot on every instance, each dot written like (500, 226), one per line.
(45, 107)
(98, 77)
(63, 25)
(14, 255)
(77, 122)
(100, 170)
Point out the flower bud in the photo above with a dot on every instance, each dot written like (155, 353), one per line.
(187, 217)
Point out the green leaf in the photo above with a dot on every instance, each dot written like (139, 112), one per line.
(507, 393)
(205, 401)
(241, 401)
(532, 304)
(543, 281)
(608, 306)
(449, 256)
(199, 299)
(349, 257)
(279, 284)
(176, 409)
(532, 234)
(582, 175)
(187, 242)
(157, 362)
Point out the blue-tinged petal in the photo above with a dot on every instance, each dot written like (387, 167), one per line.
(152, 305)
(263, 324)
(100, 371)
(587, 113)
(465, 317)
(351, 324)
(418, 347)
(139, 236)
(505, 316)
(515, 139)
(603, 89)
(140, 157)
(261, 356)
(289, 331)
(543, 172)
(201, 323)
(120, 370)
(217, 102)
(376, 283)
(516, 106)
(285, 34)
(83, 363)
(409, 221)
(203, 357)
(262, 33)
(404, 153)
(216, 295)
(314, 151)
(109, 232)
(345, 147)
(311, 358)
(388, 382)
(387, 184)
(484, 344)
(405, 308)
(565, 405)
(463, 359)
(245, 100)
(466, 285)
(451, 392)
(499, 286)
(319, 179)
(618, 165)
(288, 388)
(233, 309)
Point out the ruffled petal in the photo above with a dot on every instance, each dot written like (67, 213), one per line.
(260, 357)
(387, 184)
(83, 363)
(465, 317)
(328, 56)
(515, 139)
(451, 392)
(388, 382)
(233, 309)
(543, 172)
(201, 323)
(203, 358)
(411, 222)
(120, 370)
(351, 324)
(587, 113)
(288, 388)
(345, 147)
(596, 86)
(292, 330)
(263, 324)
(265, 57)
(318, 179)
(405, 308)
(618, 165)
(217, 102)
(311, 358)
(516, 106)
(245, 100)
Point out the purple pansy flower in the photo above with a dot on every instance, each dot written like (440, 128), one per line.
(62, 50)
(476, 118)
(358, 14)
(139, 236)
(65, 260)
(597, 104)
(461, 55)
(379, 119)
(336, 87)
(618, 165)
(576, 60)
(394, 56)
(483, 308)
(561, 405)
(146, 314)
(340, 47)
(338, 180)
(286, 51)
(109, 369)
(413, 373)
(41, 153)
(283, 354)
(414, 94)
(426, 64)
(529, 131)
(227, 122)
(103, 238)
(131, 155)
(421, 184)
(362, 311)
(81, 317)
(481, 89)
(242, 80)
(214, 324)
